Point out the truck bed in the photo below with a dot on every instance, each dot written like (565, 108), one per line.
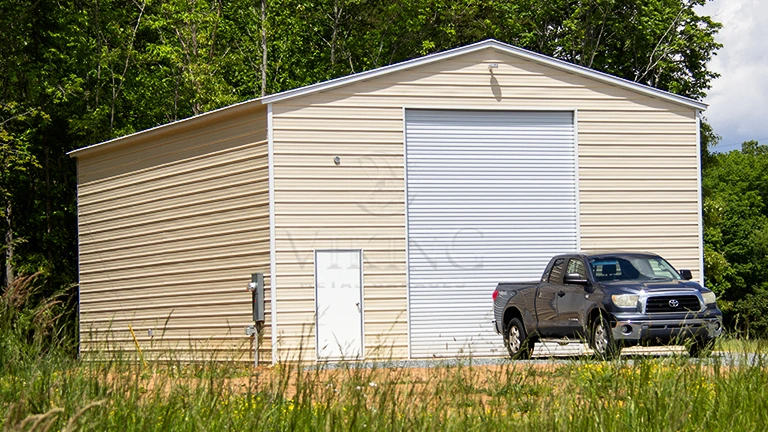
(505, 290)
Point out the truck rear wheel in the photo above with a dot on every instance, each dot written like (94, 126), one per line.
(601, 340)
(516, 340)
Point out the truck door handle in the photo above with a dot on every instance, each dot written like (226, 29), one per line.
(561, 293)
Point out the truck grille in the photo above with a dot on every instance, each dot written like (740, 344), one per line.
(672, 303)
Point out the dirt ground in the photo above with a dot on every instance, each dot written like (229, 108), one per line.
(478, 376)
(284, 379)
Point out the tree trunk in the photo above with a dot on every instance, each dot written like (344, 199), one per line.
(336, 14)
(48, 204)
(10, 275)
(263, 48)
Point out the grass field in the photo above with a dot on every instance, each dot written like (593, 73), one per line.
(742, 345)
(644, 393)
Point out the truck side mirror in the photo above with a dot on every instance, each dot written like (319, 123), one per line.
(686, 274)
(575, 279)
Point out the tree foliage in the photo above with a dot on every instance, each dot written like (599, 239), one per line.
(78, 72)
(736, 233)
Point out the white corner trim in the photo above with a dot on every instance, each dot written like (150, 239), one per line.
(272, 263)
(578, 181)
(699, 197)
(79, 277)
(362, 304)
(407, 240)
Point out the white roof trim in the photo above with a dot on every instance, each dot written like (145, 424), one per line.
(489, 43)
(166, 125)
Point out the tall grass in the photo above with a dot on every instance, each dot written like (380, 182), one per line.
(46, 389)
(30, 321)
(740, 345)
(643, 394)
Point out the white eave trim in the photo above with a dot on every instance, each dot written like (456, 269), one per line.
(167, 127)
(489, 43)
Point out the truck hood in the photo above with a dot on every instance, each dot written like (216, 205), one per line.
(656, 287)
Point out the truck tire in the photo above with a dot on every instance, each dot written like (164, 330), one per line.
(701, 348)
(601, 340)
(516, 340)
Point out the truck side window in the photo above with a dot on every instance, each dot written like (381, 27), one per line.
(556, 275)
(576, 265)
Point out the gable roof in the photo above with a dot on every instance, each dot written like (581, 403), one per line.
(500, 46)
(408, 64)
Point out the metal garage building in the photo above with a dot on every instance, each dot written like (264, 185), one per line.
(382, 207)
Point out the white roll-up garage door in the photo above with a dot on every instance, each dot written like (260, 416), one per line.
(492, 195)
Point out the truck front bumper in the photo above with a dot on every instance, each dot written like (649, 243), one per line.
(665, 329)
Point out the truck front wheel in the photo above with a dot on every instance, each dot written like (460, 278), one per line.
(516, 340)
(601, 339)
(701, 348)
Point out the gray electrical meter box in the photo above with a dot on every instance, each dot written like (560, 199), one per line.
(257, 293)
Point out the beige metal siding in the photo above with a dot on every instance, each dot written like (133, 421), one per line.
(637, 173)
(170, 230)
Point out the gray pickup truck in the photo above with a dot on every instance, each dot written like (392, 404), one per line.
(609, 300)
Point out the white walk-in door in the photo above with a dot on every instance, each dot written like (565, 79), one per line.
(492, 195)
(338, 294)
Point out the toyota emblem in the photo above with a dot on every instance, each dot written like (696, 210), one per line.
(674, 303)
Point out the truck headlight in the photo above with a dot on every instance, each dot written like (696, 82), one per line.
(709, 297)
(624, 300)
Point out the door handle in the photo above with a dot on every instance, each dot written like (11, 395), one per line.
(358, 306)
(561, 293)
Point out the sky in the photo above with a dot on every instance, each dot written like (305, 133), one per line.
(737, 100)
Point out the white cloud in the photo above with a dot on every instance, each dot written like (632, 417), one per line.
(738, 97)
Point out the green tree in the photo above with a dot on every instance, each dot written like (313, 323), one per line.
(736, 233)
(660, 43)
(35, 83)
(19, 128)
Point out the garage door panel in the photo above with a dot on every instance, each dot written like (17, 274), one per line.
(491, 197)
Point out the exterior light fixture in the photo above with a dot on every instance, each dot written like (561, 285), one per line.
(493, 66)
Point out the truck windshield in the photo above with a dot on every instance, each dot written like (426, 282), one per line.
(632, 267)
